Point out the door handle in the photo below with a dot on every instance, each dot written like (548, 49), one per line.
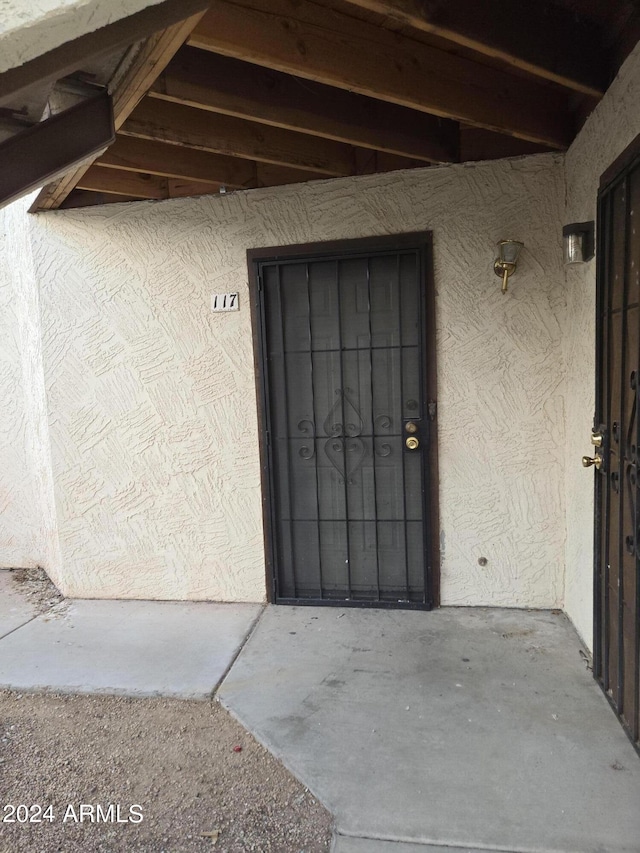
(588, 461)
(412, 443)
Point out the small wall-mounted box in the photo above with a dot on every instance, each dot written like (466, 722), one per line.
(225, 302)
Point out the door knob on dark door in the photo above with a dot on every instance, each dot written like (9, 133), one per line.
(412, 443)
(588, 461)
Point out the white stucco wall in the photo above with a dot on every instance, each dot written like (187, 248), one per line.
(29, 28)
(149, 405)
(613, 125)
(152, 397)
(28, 534)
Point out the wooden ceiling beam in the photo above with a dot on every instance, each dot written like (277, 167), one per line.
(175, 161)
(478, 144)
(128, 87)
(363, 58)
(265, 175)
(194, 167)
(221, 134)
(374, 162)
(540, 38)
(268, 175)
(116, 182)
(116, 191)
(179, 188)
(221, 84)
(87, 198)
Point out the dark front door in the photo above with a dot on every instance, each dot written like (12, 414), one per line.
(617, 587)
(346, 361)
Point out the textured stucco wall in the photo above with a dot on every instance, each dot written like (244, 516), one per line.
(28, 534)
(152, 397)
(612, 126)
(29, 28)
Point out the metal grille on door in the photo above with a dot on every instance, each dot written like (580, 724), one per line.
(348, 426)
(616, 438)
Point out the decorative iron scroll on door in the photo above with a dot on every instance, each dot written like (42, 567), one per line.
(344, 438)
(308, 427)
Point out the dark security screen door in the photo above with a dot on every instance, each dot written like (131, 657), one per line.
(348, 425)
(617, 581)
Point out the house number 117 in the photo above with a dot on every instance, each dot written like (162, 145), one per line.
(225, 302)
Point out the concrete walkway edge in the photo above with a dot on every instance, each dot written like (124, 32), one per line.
(359, 844)
(128, 648)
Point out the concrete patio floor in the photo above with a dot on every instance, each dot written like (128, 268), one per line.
(455, 731)
(471, 729)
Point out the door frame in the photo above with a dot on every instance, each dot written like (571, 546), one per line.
(422, 242)
(614, 173)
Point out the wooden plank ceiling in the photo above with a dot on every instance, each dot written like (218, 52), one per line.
(258, 93)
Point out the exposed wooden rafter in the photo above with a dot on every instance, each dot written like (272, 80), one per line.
(540, 38)
(114, 181)
(371, 162)
(259, 93)
(174, 161)
(222, 134)
(127, 90)
(334, 49)
(221, 84)
(183, 189)
(194, 167)
(479, 144)
(88, 198)
(174, 189)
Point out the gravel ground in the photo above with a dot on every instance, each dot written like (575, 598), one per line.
(201, 782)
(36, 586)
(197, 778)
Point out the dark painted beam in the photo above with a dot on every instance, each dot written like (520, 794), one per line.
(50, 148)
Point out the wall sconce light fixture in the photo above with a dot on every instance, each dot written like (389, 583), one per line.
(507, 260)
(578, 242)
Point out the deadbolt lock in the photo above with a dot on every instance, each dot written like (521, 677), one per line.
(410, 427)
(596, 439)
(588, 461)
(412, 443)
